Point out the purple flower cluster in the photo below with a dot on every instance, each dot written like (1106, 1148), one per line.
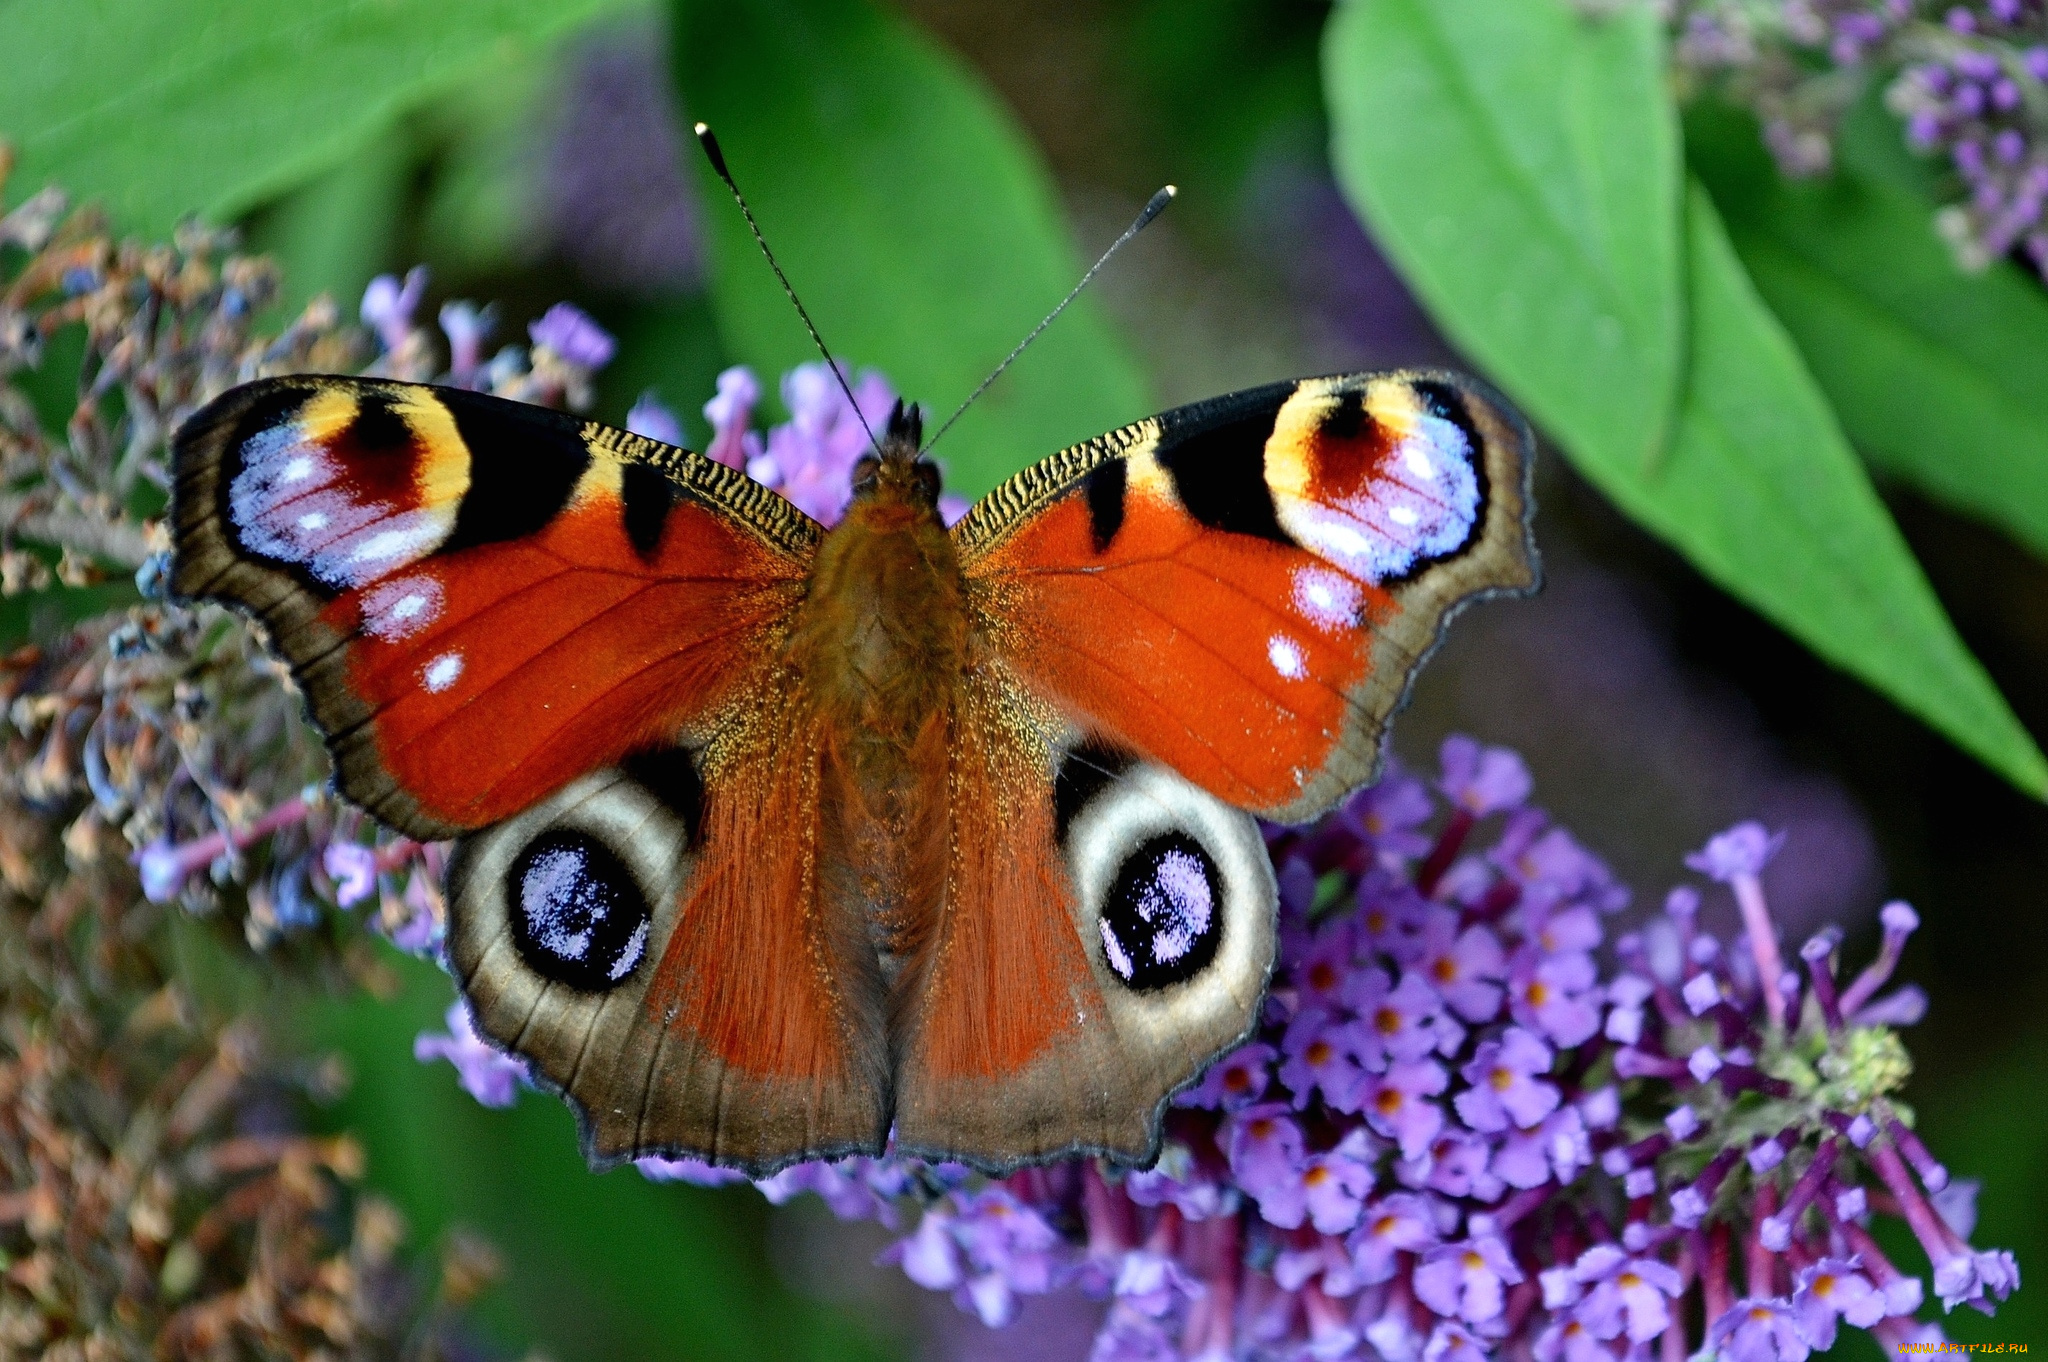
(809, 459)
(1977, 93)
(1470, 1124)
(1970, 80)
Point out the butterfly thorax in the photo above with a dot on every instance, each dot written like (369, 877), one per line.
(880, 643)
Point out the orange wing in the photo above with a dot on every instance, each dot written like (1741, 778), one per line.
(1243, 588)
(481, 599)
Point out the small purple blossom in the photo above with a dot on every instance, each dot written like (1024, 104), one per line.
(1483, 780)
(487, 1073)
(1236, 1080)
(1505, 1087)
(731, 414)
(1467, 1280)
(1759, 1331)
(387, 306)
(1624, 1294)
(569, 332)
(650, 418)
(353, 868)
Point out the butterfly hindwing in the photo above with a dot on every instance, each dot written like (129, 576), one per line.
(1243, 588)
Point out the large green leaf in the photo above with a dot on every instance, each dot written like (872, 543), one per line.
(1520, 164)
(161, 110)
(1763, 494)
(1938, 376)
(913, 217)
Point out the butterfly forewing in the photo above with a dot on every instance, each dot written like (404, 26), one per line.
(1276, 563)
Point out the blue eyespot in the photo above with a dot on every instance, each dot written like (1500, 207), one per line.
(577, 914)
(1163, 918)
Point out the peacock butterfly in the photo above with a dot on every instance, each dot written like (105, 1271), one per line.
(774, 840)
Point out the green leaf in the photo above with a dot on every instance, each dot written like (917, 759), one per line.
(1936, 374)
(336, 233)
(161, 110)
(1763, 494)
(1520, 164)
(912, 216)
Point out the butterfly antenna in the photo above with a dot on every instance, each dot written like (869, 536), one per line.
(717, 159)
(1153, 208)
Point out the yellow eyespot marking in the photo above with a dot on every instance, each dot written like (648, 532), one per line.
(442, 477)
(1143, 473)
(602, 481)
(325, 415)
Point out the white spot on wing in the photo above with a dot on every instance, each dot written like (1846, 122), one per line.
(1326, 599)
(399, 608)
(441, 673)
(1286, 656)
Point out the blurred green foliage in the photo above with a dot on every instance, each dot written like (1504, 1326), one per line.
(924, 228)
(163, 110)
(1712, 357)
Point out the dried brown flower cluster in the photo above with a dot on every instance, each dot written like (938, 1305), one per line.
(157, 1196)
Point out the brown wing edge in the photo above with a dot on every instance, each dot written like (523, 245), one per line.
(287, 603)
(1499, 561)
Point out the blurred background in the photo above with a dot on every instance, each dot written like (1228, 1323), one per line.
(1652, 708)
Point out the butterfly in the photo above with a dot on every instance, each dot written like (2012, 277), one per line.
(776, 842)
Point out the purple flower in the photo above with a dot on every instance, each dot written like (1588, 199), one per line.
(1567, 1339)
(731, 415)
(1463, 967)
(1457, 1163)
(1482, 780)
(353, 868)
(1335, 1184)
(1552, 994)
(1266, 1158)
(1505, 1089)
(853, 1189)
(1259, 1234)
(1402, 1223)
(1396, 1019)
(1236, 1080)
(1627, 1294)
(466, 326)
(1466, 1280)
(1153, 1284)
(810, 460)
(1559, 1148)
(1323, 965)
(569, 332)
(1322, 1053)
(1833, 1289)
(1397, 1109)
(1759, 1331)
(1390, 815)
(387, 306)
(1453, 1342)
(487, 1073)
(650, 418)
(1744, 849)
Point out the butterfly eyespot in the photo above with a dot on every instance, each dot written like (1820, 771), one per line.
(577, 914)
(1162, 920)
